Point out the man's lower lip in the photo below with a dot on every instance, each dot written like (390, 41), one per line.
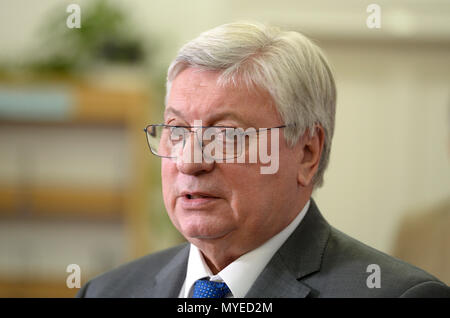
(197, 202)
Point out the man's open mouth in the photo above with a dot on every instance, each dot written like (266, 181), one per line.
(199, 196)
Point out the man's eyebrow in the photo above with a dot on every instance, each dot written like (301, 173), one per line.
(213, 119)
(171, 110)
(227, 115)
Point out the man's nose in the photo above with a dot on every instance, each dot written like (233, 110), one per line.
(190, 159)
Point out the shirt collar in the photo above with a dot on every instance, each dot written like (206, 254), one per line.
(243, 272)
(197, 269)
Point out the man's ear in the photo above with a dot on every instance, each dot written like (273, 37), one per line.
(311, 152)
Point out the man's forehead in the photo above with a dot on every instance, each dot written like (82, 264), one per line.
(210, 117)
(198, 94)
(208, 84)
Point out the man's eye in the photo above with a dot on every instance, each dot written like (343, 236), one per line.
(177, 132)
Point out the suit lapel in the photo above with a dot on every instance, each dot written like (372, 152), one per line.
(168, 282)
(299, 256)
(276, 281)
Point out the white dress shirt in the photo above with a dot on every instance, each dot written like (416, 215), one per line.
(242, 273)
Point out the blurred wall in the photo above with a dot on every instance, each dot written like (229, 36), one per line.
(391, 146)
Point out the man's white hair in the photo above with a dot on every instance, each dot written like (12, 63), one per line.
(284, 63)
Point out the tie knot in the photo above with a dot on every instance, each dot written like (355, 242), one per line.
(204, 288)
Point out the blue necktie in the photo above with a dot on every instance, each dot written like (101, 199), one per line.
(204, 288)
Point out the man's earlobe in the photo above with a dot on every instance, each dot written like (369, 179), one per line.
(311, 153)
(301, 178)
(305, 175)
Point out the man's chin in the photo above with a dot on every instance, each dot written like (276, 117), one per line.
(207, 235)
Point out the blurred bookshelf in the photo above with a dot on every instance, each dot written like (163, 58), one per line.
(74, 183)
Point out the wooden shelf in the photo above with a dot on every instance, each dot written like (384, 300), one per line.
(62, 201)
(36, 289)
(98, 107)
(95, 105)
(106, 106)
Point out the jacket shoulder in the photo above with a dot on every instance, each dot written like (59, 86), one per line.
(352, 269)
(114, 282)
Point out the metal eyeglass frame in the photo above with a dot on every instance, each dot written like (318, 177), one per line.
(146, 130)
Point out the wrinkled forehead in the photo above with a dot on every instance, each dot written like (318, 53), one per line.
(200, 95)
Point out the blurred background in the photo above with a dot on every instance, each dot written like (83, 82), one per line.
(79, 186)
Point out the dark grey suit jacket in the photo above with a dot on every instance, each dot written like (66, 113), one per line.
(316, 261)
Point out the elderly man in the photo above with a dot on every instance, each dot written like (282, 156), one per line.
(235, 94)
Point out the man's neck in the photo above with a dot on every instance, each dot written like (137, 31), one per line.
(217, 257)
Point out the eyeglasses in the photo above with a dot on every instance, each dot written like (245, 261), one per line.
(218, 142)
